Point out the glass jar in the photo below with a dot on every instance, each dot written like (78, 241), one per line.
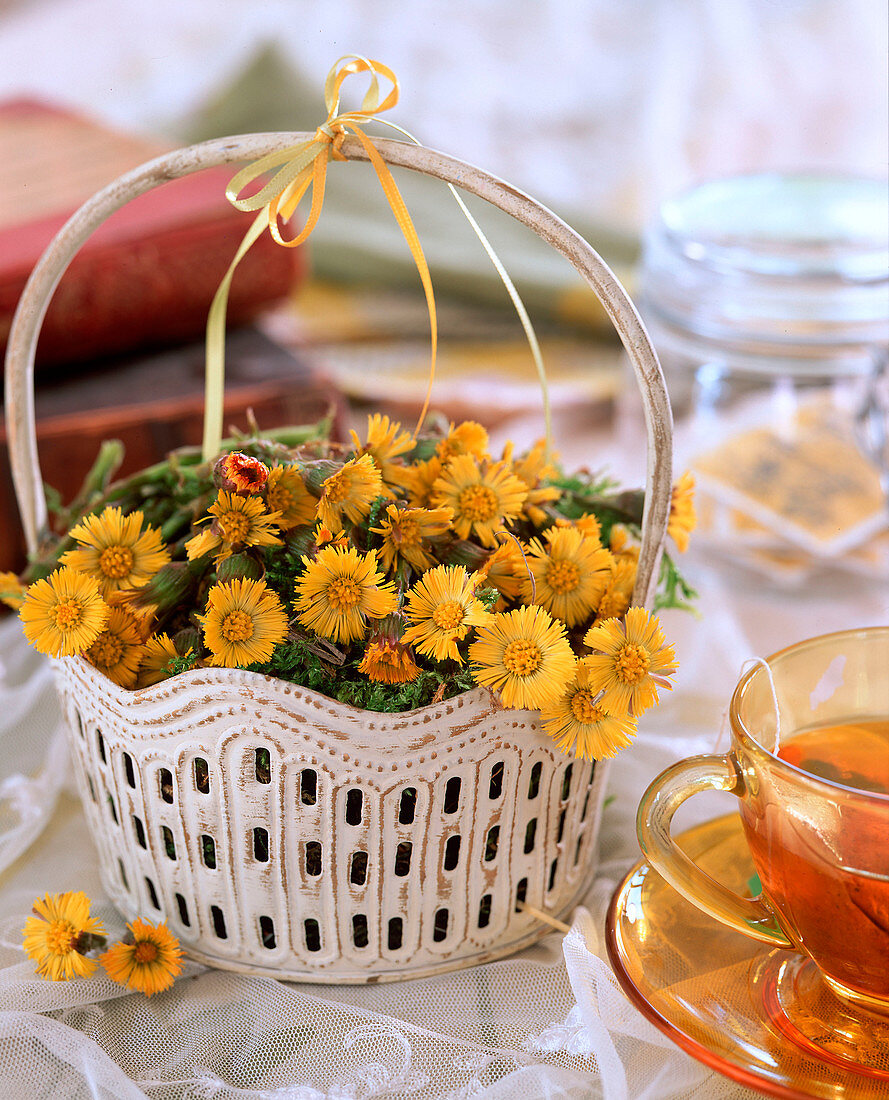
(767, 299)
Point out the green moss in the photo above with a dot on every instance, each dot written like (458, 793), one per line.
(295, 662)
(180, 664)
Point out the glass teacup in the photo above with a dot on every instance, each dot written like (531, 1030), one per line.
(809, 763)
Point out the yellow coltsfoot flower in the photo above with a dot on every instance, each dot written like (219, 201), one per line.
(12, 591)
(525, 655)
(505, 569)
(159, 650)
(406, 533)
(587, 525)
(286, 494)
(118, 649)
(421, 479)
(64, 614)
(683, 517)
(441, 608)
(468, 438)
(239, 522)
(58, 934)
(349, 493)
(578, 725)
(630, 661)
(325, 537)
(570, 574)
(531, 469)
(389, 661)
(619, 593)
(147, 960)
(386, 443)
(339, 591)
(116, 551)
(484, 497)
(243, 623)
(620, 545)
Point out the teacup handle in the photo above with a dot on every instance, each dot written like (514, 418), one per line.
(751, 916)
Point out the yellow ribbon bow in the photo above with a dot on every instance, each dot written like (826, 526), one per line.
(305, 165)
(300, 167)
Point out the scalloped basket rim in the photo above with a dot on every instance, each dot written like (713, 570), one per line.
(130, 699)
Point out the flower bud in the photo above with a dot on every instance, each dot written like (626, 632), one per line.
(239, 566)
(316, 473)
(187, 640)
(424, 449)
(630, 502)
(389, 628)
(300, 540)
(240, 473)
(89, 941)
(167, 589)
(467, 553)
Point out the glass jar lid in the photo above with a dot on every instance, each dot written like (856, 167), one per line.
(792, 265)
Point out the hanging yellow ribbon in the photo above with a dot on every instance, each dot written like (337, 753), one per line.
(298, 168)
(302, 166)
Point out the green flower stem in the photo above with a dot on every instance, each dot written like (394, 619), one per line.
(177, 524)
(96, 482)
(180, 475)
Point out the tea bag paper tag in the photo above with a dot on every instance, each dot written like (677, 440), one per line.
(798, 482)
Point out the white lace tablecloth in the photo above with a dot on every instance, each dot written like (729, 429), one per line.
(550, 1023)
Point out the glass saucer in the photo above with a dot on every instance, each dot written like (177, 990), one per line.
(757, 1014)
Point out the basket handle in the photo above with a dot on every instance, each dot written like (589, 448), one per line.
(20, 419)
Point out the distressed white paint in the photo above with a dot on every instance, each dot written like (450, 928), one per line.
(135, 756)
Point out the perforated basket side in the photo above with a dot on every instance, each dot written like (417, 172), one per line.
(281, 833)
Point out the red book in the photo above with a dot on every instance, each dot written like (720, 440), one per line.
(147, 276)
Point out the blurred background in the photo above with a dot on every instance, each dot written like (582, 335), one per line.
(602, 110)
(598, 108)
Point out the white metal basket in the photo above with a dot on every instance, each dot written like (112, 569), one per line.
(280, 832)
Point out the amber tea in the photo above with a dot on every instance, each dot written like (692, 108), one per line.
(855, 754)
(831, 898)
